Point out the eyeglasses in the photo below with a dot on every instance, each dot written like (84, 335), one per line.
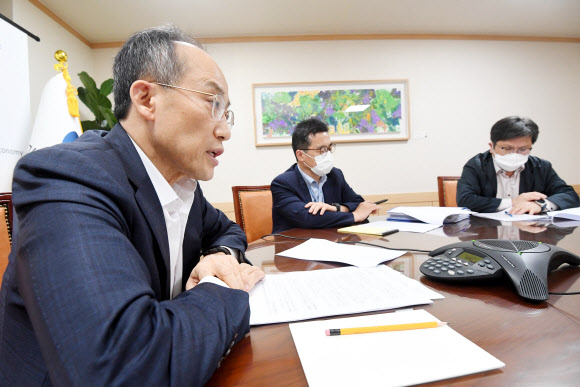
(218, 108)
(323, 149)
(521, 151)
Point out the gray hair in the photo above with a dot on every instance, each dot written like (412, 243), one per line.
(150, 55)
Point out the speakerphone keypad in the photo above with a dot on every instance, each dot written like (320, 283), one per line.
(448, 264)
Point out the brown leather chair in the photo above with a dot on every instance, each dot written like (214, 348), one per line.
(253, 208)
(5, 230)
(447, 187)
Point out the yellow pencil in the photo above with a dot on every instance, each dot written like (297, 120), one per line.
(384, 328)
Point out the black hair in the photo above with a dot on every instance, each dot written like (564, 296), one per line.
(149, 54)
(303, 131)
(513, 127)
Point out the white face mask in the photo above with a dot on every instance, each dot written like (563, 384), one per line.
(324, 163)
(510, 162)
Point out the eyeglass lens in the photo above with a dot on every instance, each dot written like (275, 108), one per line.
(325, 149)
(522, 151)
(219, 109)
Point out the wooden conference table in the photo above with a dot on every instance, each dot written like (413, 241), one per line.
(538, 342)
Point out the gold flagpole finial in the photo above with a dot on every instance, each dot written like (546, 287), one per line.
(71, 91)
(60, 56)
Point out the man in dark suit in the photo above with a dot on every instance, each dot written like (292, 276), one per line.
(105, 285)
(312, 193)
(507, 177)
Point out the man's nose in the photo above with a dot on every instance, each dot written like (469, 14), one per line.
(222, 130)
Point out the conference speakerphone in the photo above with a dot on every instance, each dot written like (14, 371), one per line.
(526, 263)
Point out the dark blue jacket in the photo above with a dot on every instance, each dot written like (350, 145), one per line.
(85, 297)
(290, 194)
(477, 188)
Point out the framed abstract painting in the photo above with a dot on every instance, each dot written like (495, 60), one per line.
(354, 111)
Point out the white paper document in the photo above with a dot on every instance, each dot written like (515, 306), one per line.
(505, 216)
(403, 226)
(432, 215)
(323, 250)
(399, 358)
(570, 213)
(303, 295)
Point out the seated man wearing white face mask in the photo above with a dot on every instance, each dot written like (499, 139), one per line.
(507, 177)
(312, 193)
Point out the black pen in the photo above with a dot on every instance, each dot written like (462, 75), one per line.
(381, 201)
(390, 232)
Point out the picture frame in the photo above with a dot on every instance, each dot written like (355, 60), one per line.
(355, 111)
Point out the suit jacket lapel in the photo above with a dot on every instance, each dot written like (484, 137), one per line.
(491, 176)
(145, 194)
(526, 178)
(301, 186)
(331, 193)
(192, 240)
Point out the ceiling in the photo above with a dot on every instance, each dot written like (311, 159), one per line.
(101, 21)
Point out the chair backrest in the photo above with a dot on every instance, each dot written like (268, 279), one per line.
(6, 202)
(5, 231)
(447, 186)
(253, 208)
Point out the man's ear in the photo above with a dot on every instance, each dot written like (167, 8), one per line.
(491, 147)
(143, 99)
(299, 155)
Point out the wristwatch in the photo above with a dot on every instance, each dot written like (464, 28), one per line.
(337, 205)
(542, 203)
(214, 250)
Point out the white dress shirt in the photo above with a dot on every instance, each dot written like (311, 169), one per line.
(314, 187)
(508, 187)
(176, 201)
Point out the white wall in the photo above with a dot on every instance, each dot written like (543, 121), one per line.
(41, 54)
(458, 89)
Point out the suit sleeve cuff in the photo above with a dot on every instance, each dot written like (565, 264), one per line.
(551, 206)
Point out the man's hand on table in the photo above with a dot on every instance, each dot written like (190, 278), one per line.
(226, 268)
(364, 210)
(526, 203)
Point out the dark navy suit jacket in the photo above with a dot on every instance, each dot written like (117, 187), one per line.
(290, 194)
(85, 297)
(477, 188)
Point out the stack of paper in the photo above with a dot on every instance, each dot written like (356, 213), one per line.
(571, 213)
(432, 215)
(303, 295)
(505, 216)
(566, 218)
(386, 358)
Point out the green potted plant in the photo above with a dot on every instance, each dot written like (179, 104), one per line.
(98, 103)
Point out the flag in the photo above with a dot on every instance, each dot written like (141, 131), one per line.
(14, 101)
(57, 119)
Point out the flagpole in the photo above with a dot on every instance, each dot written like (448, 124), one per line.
(19, 27)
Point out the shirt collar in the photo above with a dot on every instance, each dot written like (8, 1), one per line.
(499, 171)
(171, 197)
(309, 180)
